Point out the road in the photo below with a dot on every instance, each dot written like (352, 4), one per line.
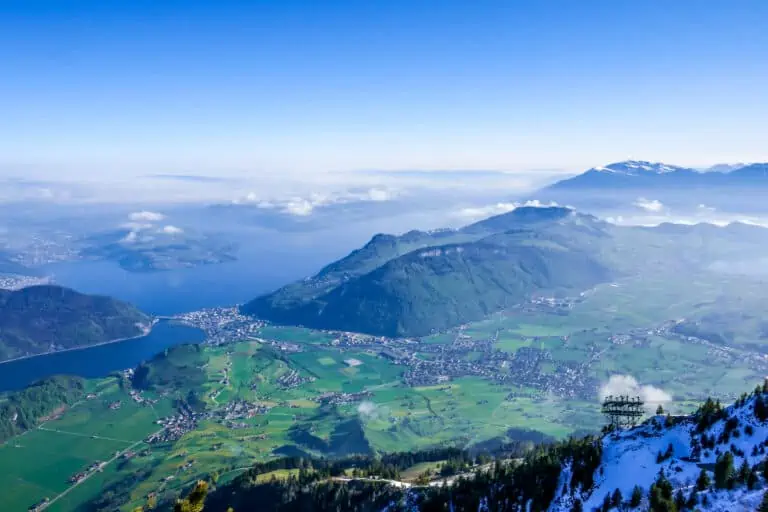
(89, 475)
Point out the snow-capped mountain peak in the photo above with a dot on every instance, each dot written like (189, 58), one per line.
(638, 167)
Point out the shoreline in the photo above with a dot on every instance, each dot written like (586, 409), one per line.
(147, 331)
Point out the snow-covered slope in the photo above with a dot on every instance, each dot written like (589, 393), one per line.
(636, 456)
(638, 167)
(643, 175)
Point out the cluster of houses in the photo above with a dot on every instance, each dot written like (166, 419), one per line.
(352, 339)
(222, 325)
(284, 346)
(333, 398)
(17, 282)
(551, 305)
(137, 397)
(292, 379)
(82, 475)
(39, 506)
(239, 409)
(173, 428)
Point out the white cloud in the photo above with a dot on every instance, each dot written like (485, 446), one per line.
(299, 207)
(380, 194)
(482, 212)
(130, 238)
(649, 205)
(172, 230)
(146, 216)
(305, 205)
(475, 213)
(370, 411)
(136, 226)
(142, 227)
(627, 385)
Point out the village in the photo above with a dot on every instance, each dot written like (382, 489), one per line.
(174, 427)
(15, 282)
(291, 379)
(221, 325)
(342, 398)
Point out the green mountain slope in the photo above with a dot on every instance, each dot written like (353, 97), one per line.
(420, 282)
(446, 278)
(40, 319)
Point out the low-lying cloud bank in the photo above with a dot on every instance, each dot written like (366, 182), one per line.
(481, 212)
(142, 227)
(658, 213)
(146, 216)
(303, 206)
(649, 205)
(627, 385)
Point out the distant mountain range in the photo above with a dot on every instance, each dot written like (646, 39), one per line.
(423, 282)
(636, 174)
(619, 188)
(41, 319)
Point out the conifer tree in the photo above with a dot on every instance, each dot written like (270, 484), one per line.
(744, 471)
(616, 498)
(661, 498)
(607, 503)
(693, 500)
(703, 482)
(752, 479)
(764, 503)
(724, 471)
(680, 499)
(637, 497)
(761, 409)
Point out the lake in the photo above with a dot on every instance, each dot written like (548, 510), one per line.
(262, 266)
(97, 361)
(257, 270)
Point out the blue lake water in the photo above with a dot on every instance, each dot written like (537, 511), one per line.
(97, 361)
(173, 291)
(260, 268)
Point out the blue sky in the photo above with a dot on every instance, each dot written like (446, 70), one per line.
(224, 87)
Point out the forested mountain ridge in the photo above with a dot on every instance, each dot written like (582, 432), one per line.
(714, 459)
(422, 282)
(39, 319)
